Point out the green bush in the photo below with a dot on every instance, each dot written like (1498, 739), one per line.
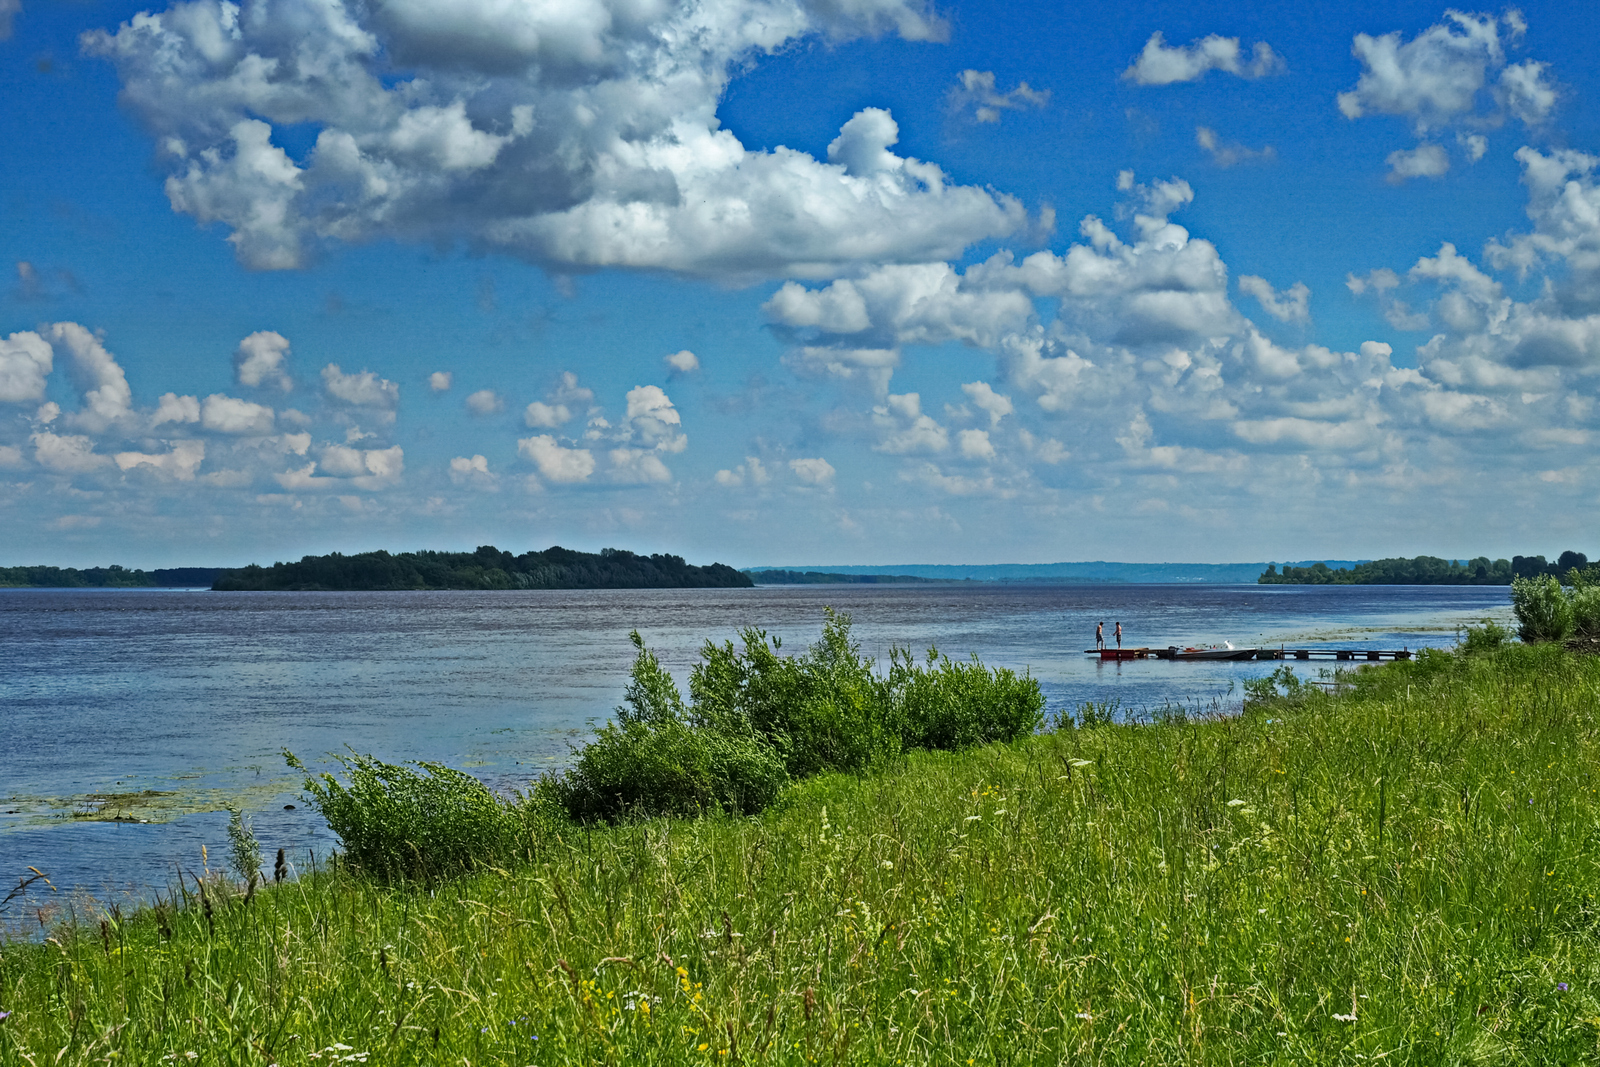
(956, 705)
(421, 821)
(1488, 637)
(1585, 600)
(1543, 609)
(635, 769)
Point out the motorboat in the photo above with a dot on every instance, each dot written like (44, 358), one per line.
(1214, 652)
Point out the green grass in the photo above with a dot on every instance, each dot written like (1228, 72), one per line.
(1407, 871)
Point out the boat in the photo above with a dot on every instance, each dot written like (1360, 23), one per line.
(1123, 653)
(1225, 652)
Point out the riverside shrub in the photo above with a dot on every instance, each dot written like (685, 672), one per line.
(421, 821)
(758, 719)
(1544, 610)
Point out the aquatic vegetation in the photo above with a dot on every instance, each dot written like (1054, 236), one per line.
(1403, 872)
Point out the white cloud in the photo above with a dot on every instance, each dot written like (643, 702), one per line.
(871, 366)
(751, 471)
(816, 472)
(484, 402)
(342, 467)
(636, 465)
(1230, 153)
(1292, 305)
(1159, 64)
(684, 362)
(905, 429)
(1423, 161)
(226, 414)
(364, 389)
(653, 421)
(472, 471)
(1475, 145)
(439, 380)
(555, 462)
(9, 9)
(25, 363)
(984, 397)
(975, 444)
(11, 458)
(66, 453)
(1525, 93)
(1438, 77)
(181, 461)
(175, 408)
(575, 135)
(568, 391)
(546, 416)
(975, 93)
(100, 381)
(260, 360)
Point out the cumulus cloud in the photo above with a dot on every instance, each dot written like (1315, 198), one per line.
(174, 408)
(539, 415)
(181, 461)
(340, 467)
(580, 135)
(751, 472)
(1292, 305)
(985, 399)
(905, 429)
(638, 466)
(555, 462)
(684, 362)
(226, 414)
(485, 402)
(1423, 161)
(816, 471)
(439, 381)
(66, 453)
(25, 363)
(1159, 64)
(260, 360)
(472, 471)
(1231, 153)
(99, 379)
(974, 95)
(363, 389)
(653, 421)
(975, 444)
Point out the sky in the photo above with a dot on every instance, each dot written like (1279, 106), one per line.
(797, 282)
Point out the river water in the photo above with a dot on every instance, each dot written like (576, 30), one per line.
(168, 706)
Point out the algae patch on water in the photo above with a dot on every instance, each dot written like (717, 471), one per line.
(147, 805)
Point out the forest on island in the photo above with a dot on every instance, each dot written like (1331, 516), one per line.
(487, 568)
(1429, 570)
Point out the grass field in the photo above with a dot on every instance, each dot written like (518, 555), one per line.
(1407, 871)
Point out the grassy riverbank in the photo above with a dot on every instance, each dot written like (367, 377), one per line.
(1406, 871)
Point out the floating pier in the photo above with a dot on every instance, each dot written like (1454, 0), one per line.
(1367, 655)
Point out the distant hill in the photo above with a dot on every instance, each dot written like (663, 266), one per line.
(113, 577)
(487, 568)
(783, 577)
(1066, 573)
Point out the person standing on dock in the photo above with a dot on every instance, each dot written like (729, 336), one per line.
(1119, 634)
(1099, 635)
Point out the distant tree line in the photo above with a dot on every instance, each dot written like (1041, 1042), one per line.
(112, 577)
(1429, 570)
(487, 568)
(781, 577)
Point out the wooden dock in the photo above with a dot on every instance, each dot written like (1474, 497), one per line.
(1343, 655)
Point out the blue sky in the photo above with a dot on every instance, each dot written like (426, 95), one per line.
(779, 282)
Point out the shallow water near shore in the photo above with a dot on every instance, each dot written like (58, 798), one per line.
(135, 717)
